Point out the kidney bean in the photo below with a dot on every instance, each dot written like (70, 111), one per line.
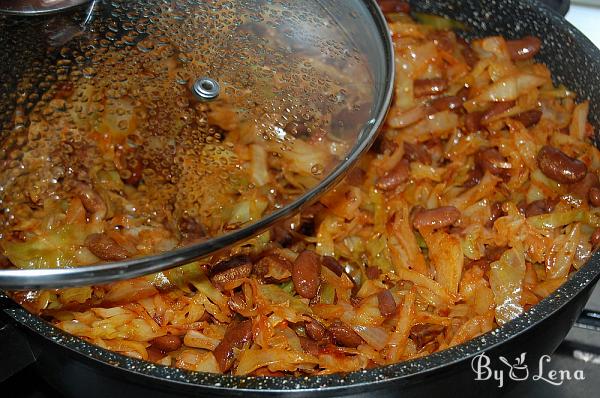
(542, 206)
(523, 49)
(297, 129)
(191, 229)
(237, 302)
(594, 196)
(383, 145)
(595, 238)
(333, 265)
(306, 274)
(463, 93)
(388, 6)
(423, 87)
(396, 176)
(386, 303)
(344, 335)
(470, 56)
(473, 122)
(309, 346)
(496, 109)
(356, 177)
(235, 336)
(105, 247)
(448, 103)
(315, 330)
(495, 213)
(91, 201)
(474, 177)
(436, 218)
(556, 165)
(167, 343)
(422, 334)
(417, 153)
(229, 270)
(491, 160)
(272, 264)
(281, 235)
(529, 118)
(443, 40)
(582, 188)
(373, 272)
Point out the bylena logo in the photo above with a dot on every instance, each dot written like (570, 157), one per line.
(519, 371)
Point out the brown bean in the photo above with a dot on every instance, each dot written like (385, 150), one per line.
(105, 247)
(387, 305)
(594, 196)
(463, 93)
(423, 87)
(315, 330)
(444, 40)
(523, 49)
(235, 336)
(333, 265)
(491, 160)
(582, 188)
(306, 274)
(542, 206)
(417, 153)
(281, 235)
(309, 346)
(496, 109)
(396, 176)
(495, 213)
(191, 229)
(436, 218)
(556, 165)
(470, 56)
(356, 177)
(229, 270)
(595, 238)
(448, 103)
(167, 343)
(297, 129)
(384, 145)
(91, 201)
(422, 334)
(391, 6)
(474, 177)
(473, 122)
(344, 335)
(373, 272)
(275, 266)
(237, 302)
(529, 118)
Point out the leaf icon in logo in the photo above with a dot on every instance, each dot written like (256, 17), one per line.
(519, 371)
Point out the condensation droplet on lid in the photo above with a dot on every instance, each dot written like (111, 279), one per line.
(317, 169)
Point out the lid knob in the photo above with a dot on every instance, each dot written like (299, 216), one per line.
(206, 89)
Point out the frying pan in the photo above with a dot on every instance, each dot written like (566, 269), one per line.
(77, 368)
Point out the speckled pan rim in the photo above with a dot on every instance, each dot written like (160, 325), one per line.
(326, 385)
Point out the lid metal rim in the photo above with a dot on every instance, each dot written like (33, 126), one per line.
(49, 11)
(22, 279)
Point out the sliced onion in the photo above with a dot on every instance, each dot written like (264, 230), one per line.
(375, 336)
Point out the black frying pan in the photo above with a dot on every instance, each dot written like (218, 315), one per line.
(77, 368)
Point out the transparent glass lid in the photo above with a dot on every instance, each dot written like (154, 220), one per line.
(149, 133)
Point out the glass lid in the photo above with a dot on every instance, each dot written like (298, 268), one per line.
(141, 135)
(37, 7)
